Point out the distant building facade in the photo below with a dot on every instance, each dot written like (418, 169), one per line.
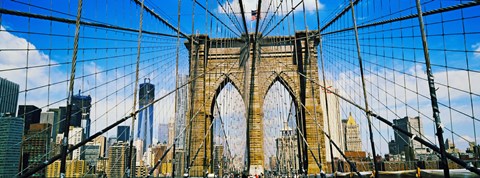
(36, 147)
(102, 141)
(145, 119)
(353, 140)
(81, 112)
(50, 118)
(80, 115)
(333, 123)
(92, 153)
(30, 114)
(75, 136)
(117, 159)
(8, 96)
(11, 132)
(403, 144)
(74, 169)
(123, 133)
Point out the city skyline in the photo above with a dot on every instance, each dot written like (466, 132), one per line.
(271, 88)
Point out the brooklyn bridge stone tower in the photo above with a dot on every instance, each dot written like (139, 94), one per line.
(252, 67)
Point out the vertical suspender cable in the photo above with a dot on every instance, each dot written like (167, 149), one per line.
(206, 117)
(299, 103)
(192, 90)
(325, 85)
(128, 170)
(364, 90)
(313, 91)
(433, 94)
(63, 162)
(176, 86)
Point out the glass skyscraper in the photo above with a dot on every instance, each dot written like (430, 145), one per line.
(11, 133)
(30, 114)
(8, 96)
(123, 133)
(80, 116)
(81, 113)
(145, 119)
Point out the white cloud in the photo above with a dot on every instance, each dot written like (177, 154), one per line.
(13, 56)
(476, 48)
(252, 5)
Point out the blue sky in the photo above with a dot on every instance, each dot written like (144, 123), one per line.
(392, 55)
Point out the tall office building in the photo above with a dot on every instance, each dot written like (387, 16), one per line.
(180, 115)
(101, 168)
(402, 141)
(80, 115)
(102, 141)
(8, 96)
(353, 140)
(155, 154)
(117, 159)
(51, 118)
(11, 132)
(392, 148)
(74, 168)
(62, 115)
(81, 112)
(75, 136)
(141, 171)
(123, 133)
(145, 119)
(333, 122)
(92, 153)
(30, 114)
(171, 137)
(36, 147)
(111, 141)
(139, 156)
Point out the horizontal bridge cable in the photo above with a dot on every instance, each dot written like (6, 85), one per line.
(337, 16)
(70, 21)
(84, 49)
(421, 140)
(159, 38)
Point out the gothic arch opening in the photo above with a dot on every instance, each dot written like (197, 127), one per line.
(280, 141)
(229, 129)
